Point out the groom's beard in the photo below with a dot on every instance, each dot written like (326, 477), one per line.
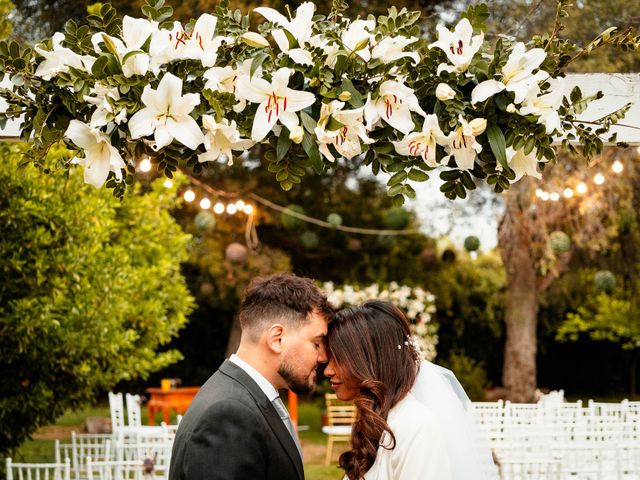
(297, 383)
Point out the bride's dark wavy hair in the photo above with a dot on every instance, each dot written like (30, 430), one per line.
(368, 346)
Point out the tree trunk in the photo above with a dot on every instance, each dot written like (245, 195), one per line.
(515, 243)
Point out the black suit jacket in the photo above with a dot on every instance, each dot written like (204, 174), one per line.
(231, 431)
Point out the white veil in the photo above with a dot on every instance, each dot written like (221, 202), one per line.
(469, 454)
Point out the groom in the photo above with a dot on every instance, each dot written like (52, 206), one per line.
(237, 427)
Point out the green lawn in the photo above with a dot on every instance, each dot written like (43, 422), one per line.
(41, 448)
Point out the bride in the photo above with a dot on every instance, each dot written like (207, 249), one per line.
(414, 420)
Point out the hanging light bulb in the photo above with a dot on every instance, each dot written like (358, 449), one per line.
(598, 179)
(145, 165)
(568, 192)
(205, 203)
(617, 167)
(554, 196)
(231, 209)
(544, 196)
(189, 196)
(248, 209)
(581, 188)
(539, 192)
(168, 183)
(218, 208)
(240, 205)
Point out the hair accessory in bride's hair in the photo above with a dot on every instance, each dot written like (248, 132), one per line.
(414, 343)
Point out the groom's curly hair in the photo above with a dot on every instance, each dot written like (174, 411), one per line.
(370, 347)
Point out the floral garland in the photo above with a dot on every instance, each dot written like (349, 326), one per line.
(115, 90)
(417, 304)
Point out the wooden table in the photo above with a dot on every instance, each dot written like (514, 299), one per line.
(177, 399)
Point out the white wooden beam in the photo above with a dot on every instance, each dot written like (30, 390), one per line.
(618, 88)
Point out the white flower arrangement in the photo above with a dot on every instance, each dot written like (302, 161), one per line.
(417, 304)
(309, 88)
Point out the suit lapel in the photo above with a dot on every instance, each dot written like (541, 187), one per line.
(271, 416)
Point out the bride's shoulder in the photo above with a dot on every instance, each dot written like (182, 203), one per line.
(409, 413)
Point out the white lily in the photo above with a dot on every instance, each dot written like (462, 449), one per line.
(346, 139)
(423, 143)
(166, 45)
(330, 49)
(59, 59)
(277, 101)
(546, 106)
(202, 43)
(299, 27)
(357, 37)
(394, 106)
(135, 32)
(220, 139)
(103, 97)
(460, 45)
(166, 115)
(391, 49)
(517, 75)
(100, 157)
(225, 79)
(523, 164)
(463, 146)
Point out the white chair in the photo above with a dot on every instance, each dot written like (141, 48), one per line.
(116, 407)
(134, 415)
(96, 446)
(124, 470)
(529, 469)
(38, 471)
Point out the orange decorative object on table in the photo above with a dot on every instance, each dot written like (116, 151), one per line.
(177, 399)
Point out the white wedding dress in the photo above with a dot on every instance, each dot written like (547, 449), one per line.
(435, 433)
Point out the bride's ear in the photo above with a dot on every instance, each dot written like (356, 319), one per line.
(275, 337)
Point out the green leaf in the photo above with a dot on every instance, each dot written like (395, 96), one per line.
(293, 42)
(284, 143)
(398, 201)
(356, 100)
(311, 149)
(497, 144)
(418, 175)
(308, 122)
(397, 178)
(334, 124)
(258, 60)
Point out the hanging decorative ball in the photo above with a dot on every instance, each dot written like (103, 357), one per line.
(354, 245)
(205, 221)
(471, 243)
(334, 219)
(605, 280)
(290, 222)
(236, 253)
(396, 218)
(309, 239)
(560, 242)
(428, 257)
(448, 255)
(206, 289)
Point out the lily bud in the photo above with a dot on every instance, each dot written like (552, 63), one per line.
(297, 134)
(478, 125)
(344, 96)
(444, 92)
(511, 108)
(254, 39)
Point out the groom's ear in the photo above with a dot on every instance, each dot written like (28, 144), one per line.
(275, 334)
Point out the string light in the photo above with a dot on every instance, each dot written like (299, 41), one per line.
(231, 209)
(598, 179)
(554, 196)
(240, 205)
(189, 196)
(568, 192)
(539, 192)
(168, 183)
(205, 203)
(581, 188)
(617, 167)
(544, 196)
(248, 209)
(145, 165)
(218, 208)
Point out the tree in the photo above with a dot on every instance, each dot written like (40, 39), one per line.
(90, 290)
